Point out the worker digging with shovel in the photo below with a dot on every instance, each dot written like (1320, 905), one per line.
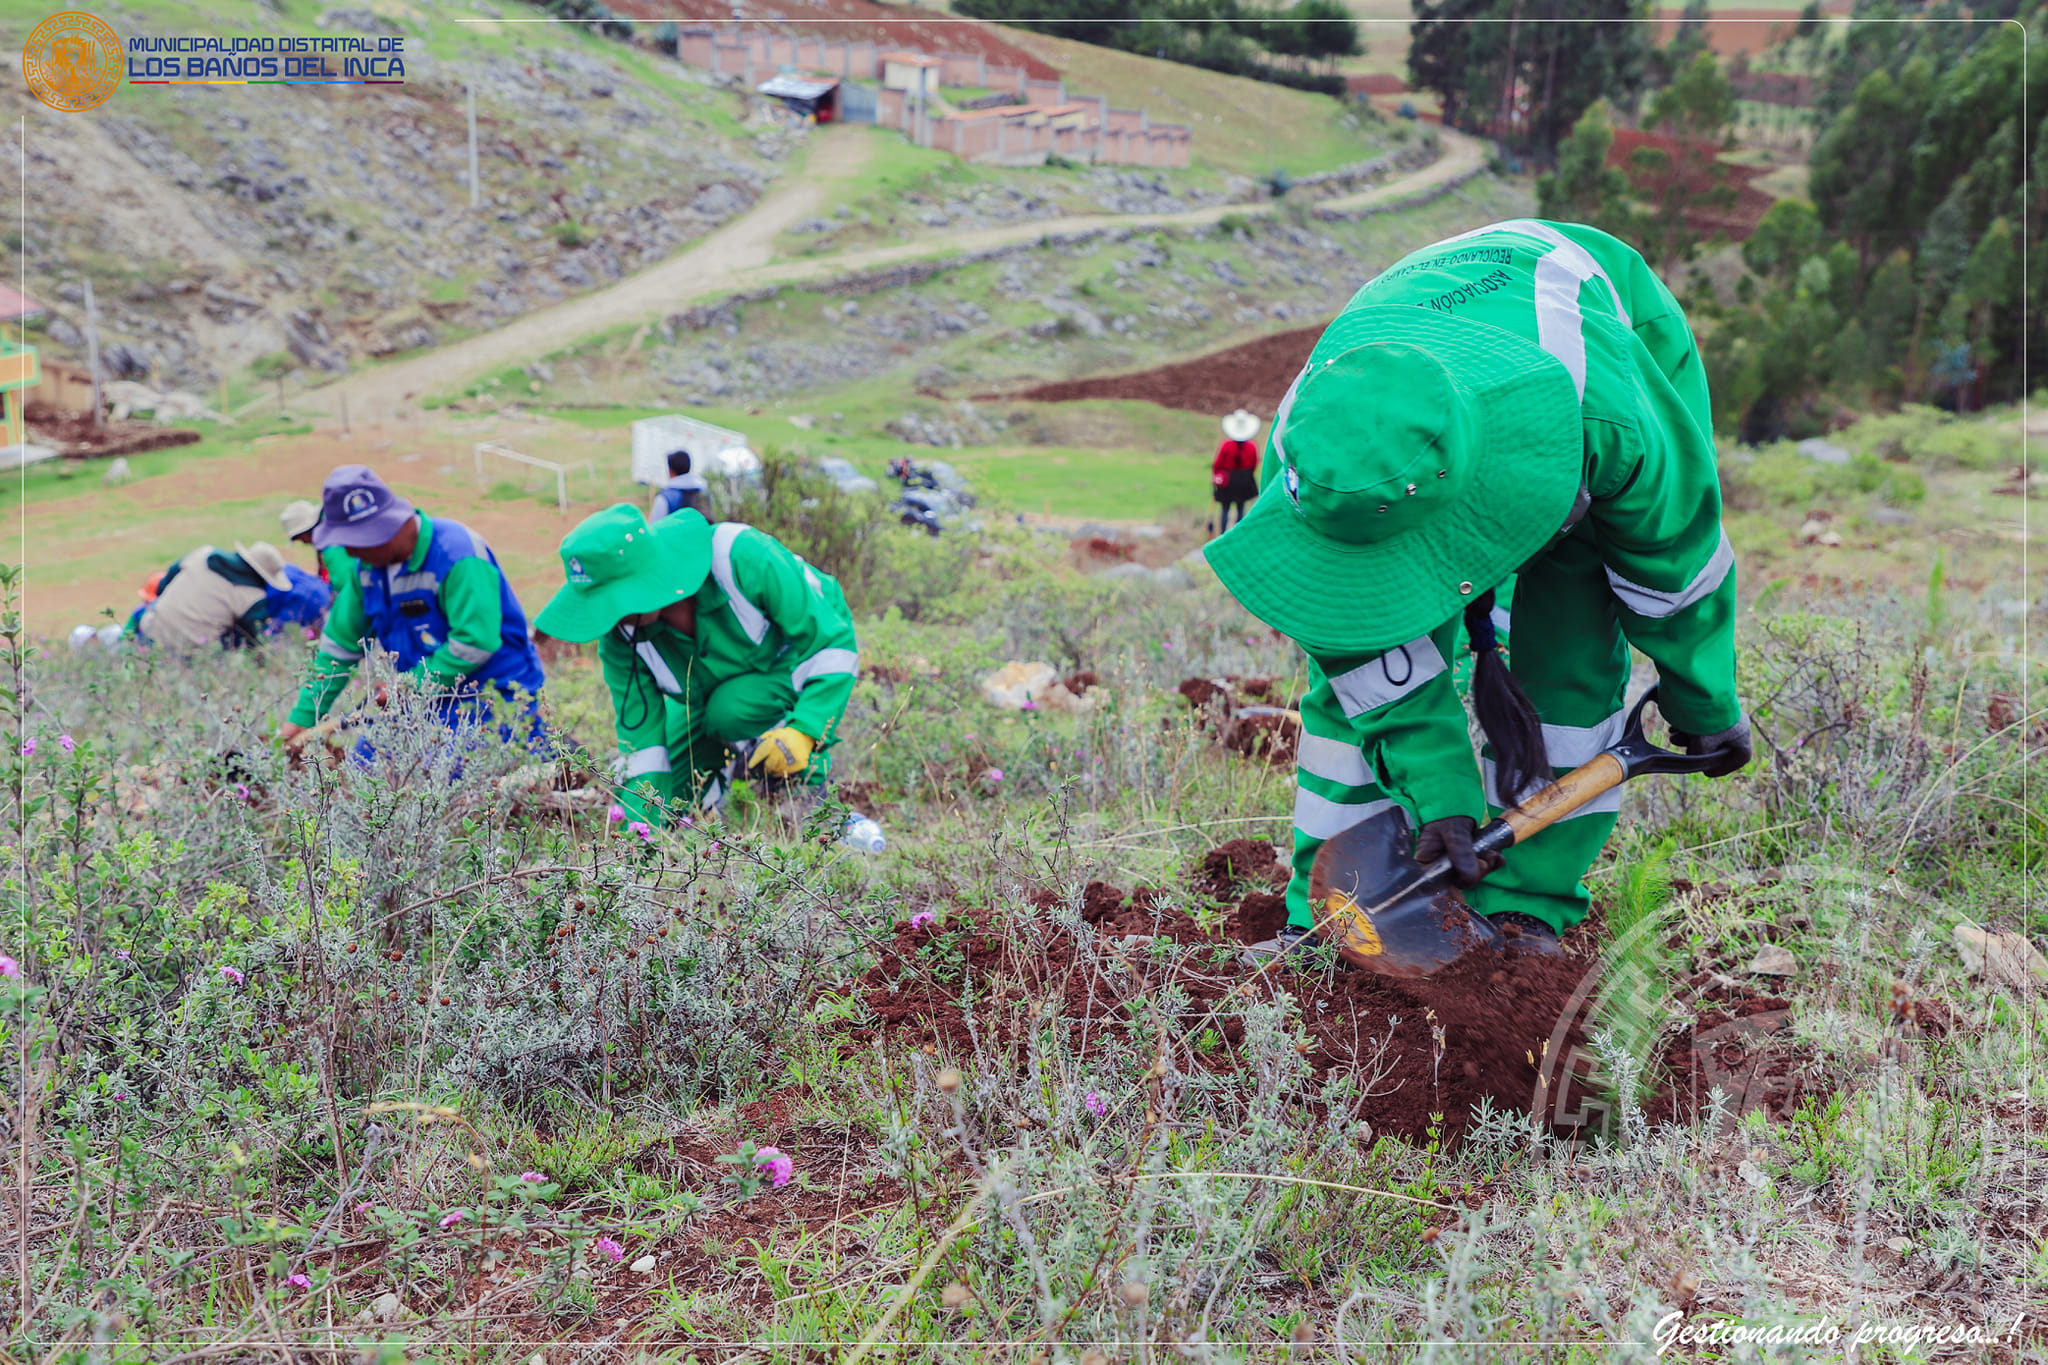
(428, 591)
(1524, 401)
(711, 638)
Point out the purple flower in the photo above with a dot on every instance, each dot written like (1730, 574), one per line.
(124, 954)
(1095, 1105)
(301, 1281)
(363, 1207)
(452, 1217)
(28, 747)
(921, 919)
(8, 966)
(993, 775)
(606, 1247)
(775, 1165)
(532, 1177)
(230, 974)
(241, 791)
(643, 829)
(616, 815)
(66, 743)
(1030, 705)
(122, 1096)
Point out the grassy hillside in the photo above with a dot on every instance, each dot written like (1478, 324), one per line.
(318, 226)
(1241, 127)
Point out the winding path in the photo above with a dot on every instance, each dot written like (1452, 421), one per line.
(738, 256)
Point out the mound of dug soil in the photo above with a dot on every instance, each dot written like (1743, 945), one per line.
(1254, 376)
(1420, 1054)
(75, 437)
(1415, 1049)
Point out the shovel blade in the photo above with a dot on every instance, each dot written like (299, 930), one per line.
(1379, 911)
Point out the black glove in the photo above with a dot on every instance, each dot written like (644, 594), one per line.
(1734, 739)
(1451, 837)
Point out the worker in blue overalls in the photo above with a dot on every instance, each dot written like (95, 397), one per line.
(430, 592)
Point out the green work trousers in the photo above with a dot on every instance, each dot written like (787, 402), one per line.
(1571, 658)
(736, 712)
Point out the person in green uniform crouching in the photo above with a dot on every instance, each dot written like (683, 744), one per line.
(712, 638)
(1523, 401)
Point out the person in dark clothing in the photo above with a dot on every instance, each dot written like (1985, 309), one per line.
(685, 488)
(1234, 473)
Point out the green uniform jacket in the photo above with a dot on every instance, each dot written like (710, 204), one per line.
(1655, 518)
(763, 611)
(470, 594)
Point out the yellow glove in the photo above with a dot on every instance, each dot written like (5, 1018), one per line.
(783, 752)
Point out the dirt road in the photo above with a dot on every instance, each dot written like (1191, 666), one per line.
(737, 257)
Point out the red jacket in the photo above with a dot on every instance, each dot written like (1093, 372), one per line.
(1232, 455)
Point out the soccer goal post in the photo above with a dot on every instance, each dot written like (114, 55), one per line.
(490, 453)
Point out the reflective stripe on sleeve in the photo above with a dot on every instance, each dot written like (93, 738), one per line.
(664, 676)
(333, 649)
(469, 654)
(824, 663)
(1656, 603)
(1388, 678)
(641, 762)
(1321, 818)
(752, 620)
(1333, 760)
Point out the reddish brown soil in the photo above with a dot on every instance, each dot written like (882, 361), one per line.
(1509, 1029)
(1079, 683)
(1240, 860)
(1732, 31)
(1267, 736)
(1739, 1042)
(1695, 164)
(75, 438)
(1254, 376)
(853, 21)
(1497, 1016)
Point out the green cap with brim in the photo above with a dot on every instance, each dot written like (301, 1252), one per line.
(618, 566)
(1420, 459)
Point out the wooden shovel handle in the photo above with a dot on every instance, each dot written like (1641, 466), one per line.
(1565, 795)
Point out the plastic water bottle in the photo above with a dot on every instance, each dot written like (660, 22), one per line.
(863, 833)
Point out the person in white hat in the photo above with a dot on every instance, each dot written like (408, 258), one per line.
(299, 518)
(213, 597)
(1233, 475)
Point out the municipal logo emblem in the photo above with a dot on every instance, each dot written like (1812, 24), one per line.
(576, 573)
(72, 61)
(1291, 483)
(359, 503)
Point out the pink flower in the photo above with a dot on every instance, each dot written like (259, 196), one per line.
(643, 829)
(616, 814)
(66, 743)
(8, 966)
(532, 1177)
(363, 1207)
(124, 954)
(312, 634)
(1030, 705)
(1096, 1105)
(778, 1167)
(28, 747)
(301, 1281)
(231, 975)
(610, 1250)
(921, 919)
(993, 775)
(452, 1217)
(241, 791)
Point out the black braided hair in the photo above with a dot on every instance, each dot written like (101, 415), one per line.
(1506, 714)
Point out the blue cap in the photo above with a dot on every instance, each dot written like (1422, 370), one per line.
(357, 510)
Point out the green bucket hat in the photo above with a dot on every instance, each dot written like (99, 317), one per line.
(1420, 459)
(617, 565)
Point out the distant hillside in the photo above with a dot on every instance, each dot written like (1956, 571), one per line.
(231, 226)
